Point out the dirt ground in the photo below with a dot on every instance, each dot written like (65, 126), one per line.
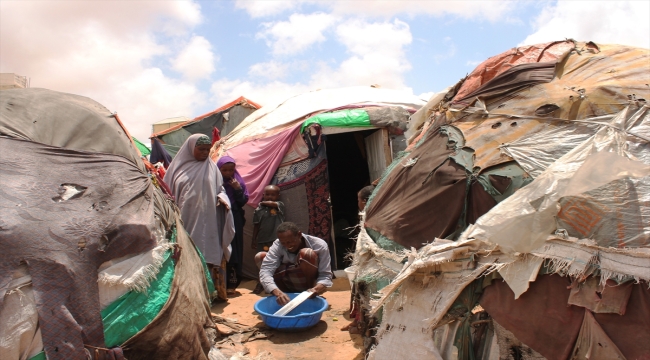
(325, 340)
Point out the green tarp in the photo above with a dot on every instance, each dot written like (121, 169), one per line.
(134, 310)
(343, 118)
(144, 150)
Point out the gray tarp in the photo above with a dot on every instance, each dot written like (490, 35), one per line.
(64, 213)
(73, 194)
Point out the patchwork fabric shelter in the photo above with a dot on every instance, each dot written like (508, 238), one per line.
(225, 119)
(95, 260)
(320, 148)
(525, 189)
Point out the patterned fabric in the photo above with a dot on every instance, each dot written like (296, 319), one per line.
(320, 218)
(297, 170)
(203, 140)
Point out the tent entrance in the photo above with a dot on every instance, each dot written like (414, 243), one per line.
(354, 159)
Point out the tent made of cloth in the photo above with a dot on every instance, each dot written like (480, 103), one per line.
(225, 118)
(525, 189)
(76, 197)
(284, 144)
(527, 127)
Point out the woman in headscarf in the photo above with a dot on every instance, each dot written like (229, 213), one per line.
(197, 186)
(238, 196)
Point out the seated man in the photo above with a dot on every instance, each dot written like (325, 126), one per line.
(294, 263)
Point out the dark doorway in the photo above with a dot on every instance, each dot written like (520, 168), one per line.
(348, 173)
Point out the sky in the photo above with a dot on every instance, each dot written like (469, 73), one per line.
(152, 60)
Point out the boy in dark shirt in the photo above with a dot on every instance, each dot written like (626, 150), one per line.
(266, 219)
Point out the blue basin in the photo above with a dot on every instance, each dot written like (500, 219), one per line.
(304, 316)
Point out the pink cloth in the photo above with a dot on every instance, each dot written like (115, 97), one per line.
(258, 160)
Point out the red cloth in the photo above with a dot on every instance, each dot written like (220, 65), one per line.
(498, 64)
(258, 160)
(216, 136)
(542, 318)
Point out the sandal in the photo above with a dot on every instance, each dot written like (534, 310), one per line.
(258, 289)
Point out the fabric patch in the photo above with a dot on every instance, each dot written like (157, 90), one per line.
(593, 343)
(611, 298)
(317, 186)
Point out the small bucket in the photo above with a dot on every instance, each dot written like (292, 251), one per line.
(351, 272)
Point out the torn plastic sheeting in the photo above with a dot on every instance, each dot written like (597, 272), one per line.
(536, 205)
(424, 113)
(537, 152)
(430, 256)
(579, 258)
(521, 272)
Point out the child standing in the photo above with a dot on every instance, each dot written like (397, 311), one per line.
(236, 190)
(266, 219)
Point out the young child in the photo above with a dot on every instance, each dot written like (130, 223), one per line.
(235, 187)
(266, 219)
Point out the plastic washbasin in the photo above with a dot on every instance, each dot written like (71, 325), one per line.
(304, 316)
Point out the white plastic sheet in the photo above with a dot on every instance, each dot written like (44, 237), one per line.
(583, 190)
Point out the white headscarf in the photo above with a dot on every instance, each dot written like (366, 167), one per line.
(197, 187)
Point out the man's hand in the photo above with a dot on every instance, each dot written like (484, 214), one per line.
(317, 290)
(282, 298)
(235, 184)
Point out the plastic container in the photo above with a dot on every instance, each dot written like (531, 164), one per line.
(304, 316)
(351, 272)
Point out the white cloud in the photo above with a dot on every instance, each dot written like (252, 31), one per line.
(103, 50)
(621, 22)
(297, 34)
(269, 70)
(196, 60)
(489, 10)
(473, 63)
(377, 56)
(266, 7)
(262, 93)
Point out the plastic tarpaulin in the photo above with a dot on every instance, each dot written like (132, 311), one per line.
(93, 194)
(109, 213)
(144, 150)
(275, 118)
(258, 160)
(598, 190)
(343, 118)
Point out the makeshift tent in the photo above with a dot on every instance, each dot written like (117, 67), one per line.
(320, 148)
(225, 119)
(142, 148)
(94, 255)
(525, 189)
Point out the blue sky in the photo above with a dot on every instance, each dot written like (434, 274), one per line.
(151, 60)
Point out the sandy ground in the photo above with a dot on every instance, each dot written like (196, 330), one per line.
(325, 340)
